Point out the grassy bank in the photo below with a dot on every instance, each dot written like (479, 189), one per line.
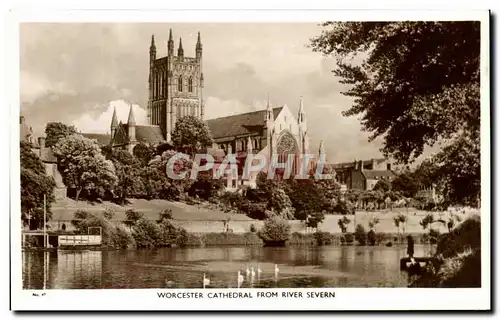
(458, 259)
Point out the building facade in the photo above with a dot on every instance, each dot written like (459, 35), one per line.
(363, 174)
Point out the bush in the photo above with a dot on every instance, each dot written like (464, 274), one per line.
(123, 239)
(133, 216)
(360, 235)
(165, 214)
(275, 229)
(371, 237)
(182, 239)
(298, 238)
(168, 234)
(344, 207)
(112, 236)
(323, 238)
(108, 213)
(347, 238)
(147, 233)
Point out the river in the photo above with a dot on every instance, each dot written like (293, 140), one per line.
(299, 267)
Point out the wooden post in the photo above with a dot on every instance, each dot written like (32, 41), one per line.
(44, 222)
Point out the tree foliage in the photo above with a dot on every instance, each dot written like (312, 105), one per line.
(191, 134)
(415, 84)
(83, 166)
(275, 229)
(55, 131)
(34, 185)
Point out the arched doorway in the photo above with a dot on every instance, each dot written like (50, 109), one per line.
(288, 145)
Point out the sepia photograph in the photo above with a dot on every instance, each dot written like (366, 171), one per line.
(248, 160)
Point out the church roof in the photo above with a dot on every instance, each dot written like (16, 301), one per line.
(378, 174)
(149, 134)
(351, 163)
(102, 139)
(239, 124)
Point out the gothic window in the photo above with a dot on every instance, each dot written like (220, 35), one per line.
(179, 84)
(190, 84)
(286, 145)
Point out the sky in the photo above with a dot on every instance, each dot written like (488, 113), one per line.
(77, 74)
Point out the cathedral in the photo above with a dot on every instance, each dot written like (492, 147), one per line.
(176, 90)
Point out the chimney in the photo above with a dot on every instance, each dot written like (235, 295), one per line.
(374, 163)
(355, 165)
(41, 142)
(361, 166)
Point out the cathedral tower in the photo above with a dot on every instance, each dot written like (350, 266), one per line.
(175, 86)
(302, 123)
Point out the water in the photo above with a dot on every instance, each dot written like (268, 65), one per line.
(303, 267)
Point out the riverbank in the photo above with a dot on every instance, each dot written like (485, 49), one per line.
(457, 259)
(214, 239)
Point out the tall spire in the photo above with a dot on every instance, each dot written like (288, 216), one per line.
(199, 47)
(131, 118)
(153, 41)
(268, 101)
(170, 46)
(152, 49)
(180, 51)
(114, 119)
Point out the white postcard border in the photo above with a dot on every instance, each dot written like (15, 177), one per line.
(147, 299)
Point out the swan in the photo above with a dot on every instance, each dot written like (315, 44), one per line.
(248, 271)
(206, 281)
(259, 270)
(252, 272)
(276, 270)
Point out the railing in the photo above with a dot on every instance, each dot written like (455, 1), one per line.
(79, 240)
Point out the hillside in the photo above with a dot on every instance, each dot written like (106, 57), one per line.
(64, 210)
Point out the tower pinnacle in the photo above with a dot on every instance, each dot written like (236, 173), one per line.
(114, 119)
(180, 51)
(170, 46)
(131, 117)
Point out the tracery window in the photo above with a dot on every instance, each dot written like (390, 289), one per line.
(179, 84)
(190, 84)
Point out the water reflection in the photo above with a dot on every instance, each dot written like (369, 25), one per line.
(345, 266)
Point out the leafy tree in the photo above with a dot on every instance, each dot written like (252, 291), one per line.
(275, 229)
(133, 216)
(406, 184)
(34, 185)
(191, 134)
(143, 153)
(382, 185)
(170, 188)
(55, 131)
(372, 223)
(165, 215)
(83, 166)
(415, 85)
(281, 204)
(343, 223)
(128, 173)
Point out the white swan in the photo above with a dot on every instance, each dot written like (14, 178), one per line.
(259, 270)
(206, 281)
(252, 272)
(248, 271)
(276, 270)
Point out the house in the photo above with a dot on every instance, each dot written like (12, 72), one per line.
(363, 174)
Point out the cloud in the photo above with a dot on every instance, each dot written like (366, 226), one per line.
(101, 123)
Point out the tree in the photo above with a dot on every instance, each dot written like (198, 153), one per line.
(406, 184)
(416, 85)
(281, 204)
(167, 187)
(34, 185)
(343, 223)
(128, 173)
(55, 131)
(143, 153)
(83, 166)
(275, 230)
(191, 134)
(372, 223)
(382, 185)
